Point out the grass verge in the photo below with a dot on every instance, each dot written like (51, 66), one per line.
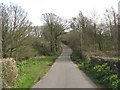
(33, 70)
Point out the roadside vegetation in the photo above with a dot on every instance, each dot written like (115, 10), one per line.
(21, 40)
(31, 71)
(102, 75)
(28, 44)
(87, 36)
(90, 38)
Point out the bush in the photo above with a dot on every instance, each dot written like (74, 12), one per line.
(22, 55)
(10, 72)
(102, 70)
(75, 57)
(114, 82)
(101, 74)
(42, 47)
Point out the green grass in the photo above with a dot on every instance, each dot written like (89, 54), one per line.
(31, 71)
(34, 51)
(116, 58)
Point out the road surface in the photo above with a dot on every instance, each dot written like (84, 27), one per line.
(65, 74)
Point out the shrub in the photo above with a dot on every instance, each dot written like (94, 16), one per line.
(42, 47)
(114, 82)
(10, 72)
(100, 73)
(81, 66)
(22, 55)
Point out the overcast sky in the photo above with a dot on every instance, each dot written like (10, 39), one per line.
(63, 8)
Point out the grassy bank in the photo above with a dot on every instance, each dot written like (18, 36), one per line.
(101, 75)
(33, 70)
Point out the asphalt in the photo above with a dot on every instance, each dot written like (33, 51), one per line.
(65, 74)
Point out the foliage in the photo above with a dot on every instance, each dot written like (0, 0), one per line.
(9, 71)
(15, 30)
(52, 30)
(31, 71)
(42, 46)
(114, 82)
(101, 74)
(86, 34)
(28, 71)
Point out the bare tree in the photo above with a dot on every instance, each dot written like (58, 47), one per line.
(111, 22)
(4, 28)
(94, 18)
(15, 29)
(55, 27)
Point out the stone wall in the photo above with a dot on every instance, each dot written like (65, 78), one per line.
(114, 64)
(10, 71)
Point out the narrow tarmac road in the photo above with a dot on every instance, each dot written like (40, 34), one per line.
(65, 74)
